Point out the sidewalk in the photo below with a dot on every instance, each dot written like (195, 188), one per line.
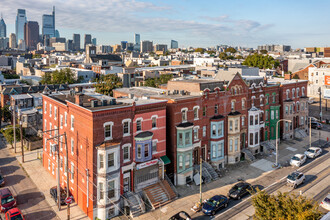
(252, 172)
(44, 181)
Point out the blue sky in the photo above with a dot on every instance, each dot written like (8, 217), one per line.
(191, 22)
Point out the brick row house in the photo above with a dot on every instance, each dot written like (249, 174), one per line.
(222, 122)
(116, 148)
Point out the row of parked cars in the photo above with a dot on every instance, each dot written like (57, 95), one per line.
(299, 159)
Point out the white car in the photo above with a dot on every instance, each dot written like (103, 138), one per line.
(313, 152)
(326, 203)
(295, 179)
(297, 160)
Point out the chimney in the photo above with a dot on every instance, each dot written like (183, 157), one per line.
(79, 98)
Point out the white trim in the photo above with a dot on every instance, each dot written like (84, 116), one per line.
(129, 125)
(129, 152)
(196, 107)
(111, 125)
(139, 118)
(65, 119)
(154, 116)
(72, 127)
(186, 114)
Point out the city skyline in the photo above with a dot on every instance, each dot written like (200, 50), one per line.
(203, 24)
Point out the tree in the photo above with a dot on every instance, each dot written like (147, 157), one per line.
(107, 83)
(239, 57)
(8, 133)
(231, 50)
(150, 82)
(156, 82)
(10, 76)
(210, 52)
(6, 113)
(284, 206)
(223, 56)
(261, 61)
(199, 50)
(263, 51)
(59, 77)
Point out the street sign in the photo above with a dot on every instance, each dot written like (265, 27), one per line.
(68, 200)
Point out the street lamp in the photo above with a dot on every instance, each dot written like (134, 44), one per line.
(276, 163)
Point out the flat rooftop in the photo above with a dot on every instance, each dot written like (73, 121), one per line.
(284, 81)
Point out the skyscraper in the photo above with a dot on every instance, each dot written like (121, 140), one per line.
(69, 45)
(12, 41)
(57, 33)
(94, 41)
(146, 46)
(48, 24)
(137, 39)
(20, 22)
(88, 40)
(76, 42)
(123, 45)
(2, 28)
(174, 44)
(31, 34)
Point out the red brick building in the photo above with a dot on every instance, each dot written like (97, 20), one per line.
(102, 139)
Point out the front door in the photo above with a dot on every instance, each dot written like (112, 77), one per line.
(127, 184)
(203, 153)
(196, 156)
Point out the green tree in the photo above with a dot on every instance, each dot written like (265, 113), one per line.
(59, 77)
(263, 51)
(150, 82)
(284, 206)
(231, 50)
(36, 56)
(10, 76)
(156, 82)
(261, 61)
(223, 56)
(107, 83)
(239, 57)
(210, 52)
(200, 50)
(8, 133)
(6, 113)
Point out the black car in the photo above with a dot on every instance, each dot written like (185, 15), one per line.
(181, 216)
(239, 190)
(53, 193)
(316, 125)
(2, 180)
(214, 204)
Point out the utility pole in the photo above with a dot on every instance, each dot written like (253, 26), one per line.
(58, 172)
(14, 124)
(200, 180)
(310, 132)
(320, 93)
(87, 188)
(67, 175)
(21, 133)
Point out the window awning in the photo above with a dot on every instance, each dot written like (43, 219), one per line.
(165, 159)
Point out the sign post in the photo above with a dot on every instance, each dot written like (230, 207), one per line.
(68, 200)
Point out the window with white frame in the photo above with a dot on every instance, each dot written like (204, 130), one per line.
(139, 151)
(48, 164)
(61, 163)
(111, 160)
(251, 120)
(101, 161)
(154, 122)
(303, 91)
(111, 189)
(45, 107)
(256, 138)
(251, 138)
(61, 143)
(261, 100)
(195, 133)
(293, 93)
(243, 103)
(187, 161)
(243, 120)
(220, 129)
(126, 155)
(138, 125)
(50, 110)
(61, 121)
(65, 166)
(236, 144)
(126, 126)
(220, 147)
(65, 119)
(50, 129)
(298, 92)
(214, 152)
(72, 146)
(180, 139)
(231, 145)
(236, 124)
(272, 114)
(204, 131)
(108, 130)
(184, 114)
(146, 150)
(230, 125)
(53, 169)
(180, 162)
(214, 130)
(72, 122)
(45, 123)
(233, 105)
(196, 108)
(72, 172)
(154, 146)
(101, 191)
(276, 114)
(55, 112)
(256, 119)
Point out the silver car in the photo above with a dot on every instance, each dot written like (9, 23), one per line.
(313, 152)
(326, 203)
(295, 179)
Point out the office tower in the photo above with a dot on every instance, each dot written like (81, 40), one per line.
(48, 24)
(123, 45)
(69, 45)
(4, 43)
(137, 39)
(94, 41)
(174, 44)
(146, 46)
(56, 40)
(130, 46)
(3, 32)
(88, 40)
(31, 34)
(19, 24)
(103, 49)
(160, 47)
(57, 33)
(76, 42)
(21, 44)
(12, 41)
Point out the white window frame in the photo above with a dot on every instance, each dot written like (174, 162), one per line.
(152, 118)
(55, 112)
(184, 112)
(65, 119)
(50, 110)
(129, 152)
(136, 122)
(152, 146)
(72, 146)
(196, 107)
(204, 131)
(61, 121)
(111, 125)
(61, 143)
(196, 129)
(72, 122)
(101, 161)
(45, 125)
(72, 172)
(45, 107)
(129, 126)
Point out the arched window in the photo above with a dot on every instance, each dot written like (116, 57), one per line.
(303, 91)
(287, 94)
(293, 93)
(298, 92)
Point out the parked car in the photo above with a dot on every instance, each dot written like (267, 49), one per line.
(14, 214)
(7, 200)
(295, 179)
(313, 119)
(211, 206)
(53, 193)
(326, 203)
(316, 125)
(313, 152)
(297, 160)
(181, 216)
(240, 190)
(2, 180)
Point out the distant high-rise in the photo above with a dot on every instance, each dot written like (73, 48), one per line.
(56, 40)
(160, 47)
(76, 42)
(69, 45)
(174, 44)
(137, 39)
(19, 24)
(48, 24)
(3, 28)
(57, 33)
(94, 41)
(12, 41)
(31, 34)
(88, 40)
(123, 45)
(146, 46)
(21, 44)
(4, 43)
